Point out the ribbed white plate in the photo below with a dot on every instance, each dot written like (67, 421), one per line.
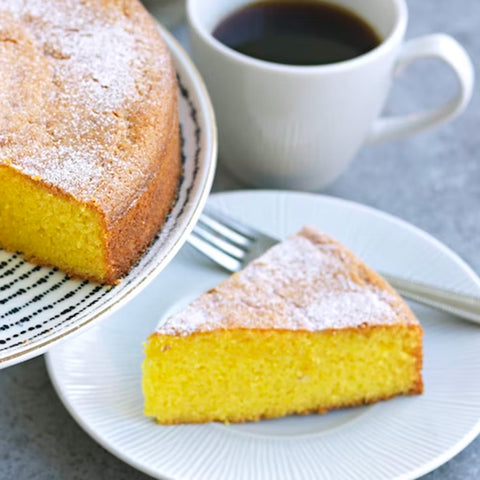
(41, 306)
(98, 374)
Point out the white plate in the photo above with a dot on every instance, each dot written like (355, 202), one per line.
(40, 306)
(401, 438)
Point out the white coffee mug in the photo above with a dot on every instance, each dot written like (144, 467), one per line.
(298, 127)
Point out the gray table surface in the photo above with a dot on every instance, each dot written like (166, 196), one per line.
(431, 180)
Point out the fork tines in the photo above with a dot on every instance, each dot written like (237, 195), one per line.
(222, 238)
(227, 241)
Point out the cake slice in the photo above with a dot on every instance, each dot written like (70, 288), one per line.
(306, 327)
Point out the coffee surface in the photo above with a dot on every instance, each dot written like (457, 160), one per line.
(297, 32)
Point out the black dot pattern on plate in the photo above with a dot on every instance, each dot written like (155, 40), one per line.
(5, 263)
(69, 309)
(197, 135)
(37, 299)
(12, 268)
(26, 288)
(17, 279)
(39, 304)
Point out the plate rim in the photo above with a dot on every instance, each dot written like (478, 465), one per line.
(179, 55)
(414, 474)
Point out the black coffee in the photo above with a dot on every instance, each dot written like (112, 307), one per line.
(297, 32)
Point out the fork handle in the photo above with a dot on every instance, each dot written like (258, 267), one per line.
(459, 304)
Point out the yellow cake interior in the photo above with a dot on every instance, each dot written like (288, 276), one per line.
(270, 373)
(50, 229)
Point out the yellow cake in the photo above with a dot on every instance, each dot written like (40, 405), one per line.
(89, 135)
(307, 327)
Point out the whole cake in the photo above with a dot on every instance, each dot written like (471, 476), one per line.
(307, 327)
(89, 134)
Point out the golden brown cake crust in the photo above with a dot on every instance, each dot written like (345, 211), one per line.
(360, 273)
(89, 110)
(88, 97)
(131, 235)
(308, 282)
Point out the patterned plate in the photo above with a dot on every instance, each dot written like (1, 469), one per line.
(402, 438)
(39, 306)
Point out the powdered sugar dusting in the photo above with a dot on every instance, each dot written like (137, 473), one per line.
(77, 76)
(300, 284)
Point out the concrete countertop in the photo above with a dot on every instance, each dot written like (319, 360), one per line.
(431, 180)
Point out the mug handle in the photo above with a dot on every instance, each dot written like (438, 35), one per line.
(442, 47)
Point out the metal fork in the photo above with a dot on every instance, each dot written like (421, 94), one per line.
(232, 244)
